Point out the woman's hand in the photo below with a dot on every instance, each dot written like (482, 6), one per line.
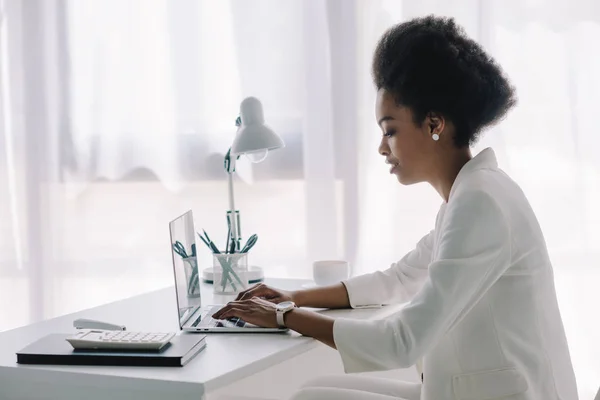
(266, 292)
(256, 311)
(263, 313)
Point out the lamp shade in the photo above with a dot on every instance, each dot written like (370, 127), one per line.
(254, 136)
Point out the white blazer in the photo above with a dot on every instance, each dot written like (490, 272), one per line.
(482, 310)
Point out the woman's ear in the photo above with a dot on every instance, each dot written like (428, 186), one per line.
(436, 123)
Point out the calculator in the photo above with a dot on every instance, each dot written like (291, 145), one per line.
(97, 339)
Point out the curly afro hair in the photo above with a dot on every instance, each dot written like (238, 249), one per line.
(430, 65)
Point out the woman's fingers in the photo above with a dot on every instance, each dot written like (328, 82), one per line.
(233, 304)
(218, 314)
(256, 291)
(233, 312)
(244, 293)
(256, 311)
(224, 309)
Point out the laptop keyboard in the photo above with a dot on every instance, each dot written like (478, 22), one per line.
(208, 321)
(237, 322)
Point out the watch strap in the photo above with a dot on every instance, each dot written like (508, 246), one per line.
(280, 321)
(281, 314)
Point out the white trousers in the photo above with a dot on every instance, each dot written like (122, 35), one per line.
(351, 387)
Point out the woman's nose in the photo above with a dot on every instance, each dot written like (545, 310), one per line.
(384, 149)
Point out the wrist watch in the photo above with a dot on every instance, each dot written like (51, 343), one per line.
(282, 308)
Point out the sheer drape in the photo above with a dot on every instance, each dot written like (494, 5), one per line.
(119, 121)
(115, 116)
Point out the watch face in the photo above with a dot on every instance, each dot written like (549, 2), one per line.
(285, 304)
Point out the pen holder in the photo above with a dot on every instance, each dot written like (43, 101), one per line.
(230, 273)
(190, 265)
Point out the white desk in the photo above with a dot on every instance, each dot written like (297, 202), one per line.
(226, 359)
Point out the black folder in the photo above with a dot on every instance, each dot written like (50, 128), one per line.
(54, 349)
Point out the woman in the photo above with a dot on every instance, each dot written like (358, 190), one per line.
(482, 312)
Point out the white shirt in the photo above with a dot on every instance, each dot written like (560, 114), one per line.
(482, 309)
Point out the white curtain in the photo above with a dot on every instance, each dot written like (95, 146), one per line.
(115, 116)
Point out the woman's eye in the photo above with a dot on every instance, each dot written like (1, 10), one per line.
(389, 133)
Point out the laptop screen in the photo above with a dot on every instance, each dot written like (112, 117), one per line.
(185, 266)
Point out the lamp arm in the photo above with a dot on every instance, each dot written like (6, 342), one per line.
(233, 220)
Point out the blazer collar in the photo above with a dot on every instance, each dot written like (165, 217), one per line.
(486, 159)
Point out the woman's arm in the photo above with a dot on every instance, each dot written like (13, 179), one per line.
(261, 312)
(474, 252)
(310, 323)
(397, 284)
(334, 296)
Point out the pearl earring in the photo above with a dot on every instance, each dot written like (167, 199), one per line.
(435, 137)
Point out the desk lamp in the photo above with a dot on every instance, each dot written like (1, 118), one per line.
(254, 139)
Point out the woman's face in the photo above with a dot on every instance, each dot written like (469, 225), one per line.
(406, 146)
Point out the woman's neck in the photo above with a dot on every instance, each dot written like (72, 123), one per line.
(447, 170)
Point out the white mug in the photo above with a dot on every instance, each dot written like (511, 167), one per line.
(328, 272)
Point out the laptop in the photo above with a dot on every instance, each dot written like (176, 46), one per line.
(192, 315)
